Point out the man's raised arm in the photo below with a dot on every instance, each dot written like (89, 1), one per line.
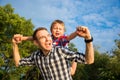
(15, 50)
(89, 53)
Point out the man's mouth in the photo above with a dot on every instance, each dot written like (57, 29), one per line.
(48, 44)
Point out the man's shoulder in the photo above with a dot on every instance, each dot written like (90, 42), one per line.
(37, 52)
(54, 48)
(60, 48)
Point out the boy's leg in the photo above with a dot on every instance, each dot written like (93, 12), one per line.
(73, 67)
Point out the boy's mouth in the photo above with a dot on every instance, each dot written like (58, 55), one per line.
(57, 34)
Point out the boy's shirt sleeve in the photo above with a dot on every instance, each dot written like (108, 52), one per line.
(76, 56)
(63, 41)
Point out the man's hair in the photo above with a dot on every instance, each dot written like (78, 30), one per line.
(55, 22)
(38, 29)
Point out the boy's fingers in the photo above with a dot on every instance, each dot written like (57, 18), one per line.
(17, 38)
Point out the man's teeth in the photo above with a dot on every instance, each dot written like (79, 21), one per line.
(48, 44)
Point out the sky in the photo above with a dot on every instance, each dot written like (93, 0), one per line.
(102, 17)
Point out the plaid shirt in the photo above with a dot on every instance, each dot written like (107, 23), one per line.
(61, 41)
(55, 65)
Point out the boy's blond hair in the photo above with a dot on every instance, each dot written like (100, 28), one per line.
(55, 22)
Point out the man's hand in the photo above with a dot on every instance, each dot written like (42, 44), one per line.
(84, 32)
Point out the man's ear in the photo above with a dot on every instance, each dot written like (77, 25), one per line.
(35, 42)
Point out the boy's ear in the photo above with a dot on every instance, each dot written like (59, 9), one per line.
(35, 42)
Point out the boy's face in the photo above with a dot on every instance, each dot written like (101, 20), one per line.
(44, 40)
(57, 30)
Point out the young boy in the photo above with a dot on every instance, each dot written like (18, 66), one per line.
(59, 38)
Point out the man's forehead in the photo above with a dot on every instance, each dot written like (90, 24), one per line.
(42, 32)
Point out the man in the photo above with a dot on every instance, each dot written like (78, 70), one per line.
(53, 61)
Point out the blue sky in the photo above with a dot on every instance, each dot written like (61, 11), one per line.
(102, 17)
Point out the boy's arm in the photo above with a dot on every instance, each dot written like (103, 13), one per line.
(71, 36)
(30, 38)
(21, 38)
(15, 51)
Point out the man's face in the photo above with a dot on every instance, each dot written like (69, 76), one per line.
(44, 40)
(57, 30)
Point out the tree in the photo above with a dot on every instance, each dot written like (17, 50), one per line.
(115, 60)
(105, 67)
(10, 24)
(72, 47)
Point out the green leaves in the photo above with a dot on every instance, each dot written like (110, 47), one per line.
(10, 24)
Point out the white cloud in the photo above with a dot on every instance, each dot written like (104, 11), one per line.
(94, 19)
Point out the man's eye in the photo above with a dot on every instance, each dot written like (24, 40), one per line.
(42, 37)
(49, 35)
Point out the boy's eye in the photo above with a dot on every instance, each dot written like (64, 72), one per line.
(58, 28)
(54, 28)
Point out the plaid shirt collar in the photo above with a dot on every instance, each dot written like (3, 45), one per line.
(42, 54)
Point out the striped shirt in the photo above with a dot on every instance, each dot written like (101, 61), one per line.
(55, 65)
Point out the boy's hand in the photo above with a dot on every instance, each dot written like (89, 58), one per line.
(17, 38)
(84, 32)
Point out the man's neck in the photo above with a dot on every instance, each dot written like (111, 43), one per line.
(45, 52)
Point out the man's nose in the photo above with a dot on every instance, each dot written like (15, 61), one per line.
(47, 37)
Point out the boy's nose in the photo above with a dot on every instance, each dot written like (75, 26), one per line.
(58, 29)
